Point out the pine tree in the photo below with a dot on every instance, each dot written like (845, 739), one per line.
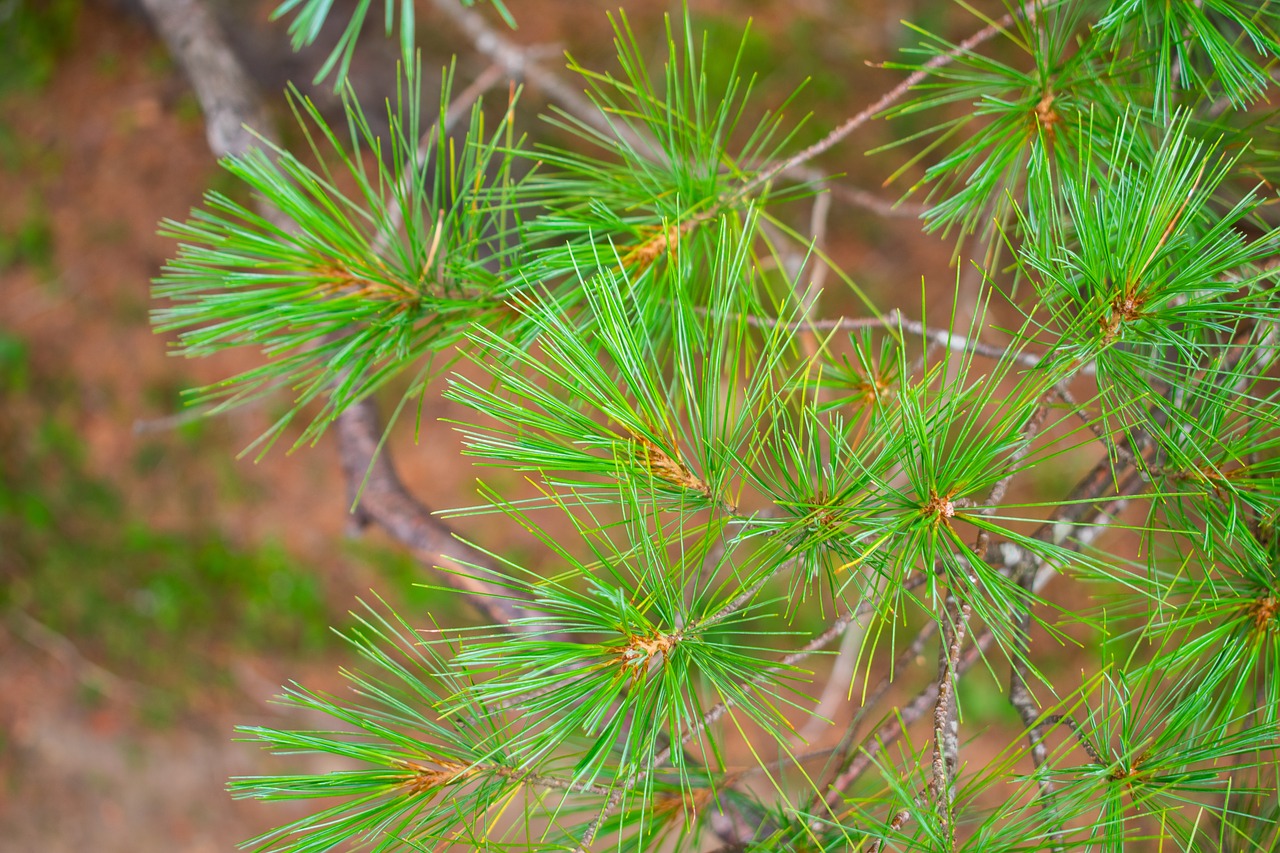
(737, 469)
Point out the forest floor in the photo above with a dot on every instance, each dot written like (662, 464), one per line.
(155, 590)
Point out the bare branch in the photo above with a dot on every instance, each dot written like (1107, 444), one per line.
(875, 204)
(383, 500)
(227, 96)
(516, 61)
(1027, 12)
(945, 721)
(895, 321)
(63, 649)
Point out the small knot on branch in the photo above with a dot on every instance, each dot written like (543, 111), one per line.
(423, 778)
(658, 241)
(685, 803)
(1264, 611)
(667, 468)
(824, 513)
(333, 281)
(941, 508)
(645, 651)
(1125, 308)
(1046, 115)
(1122, 774)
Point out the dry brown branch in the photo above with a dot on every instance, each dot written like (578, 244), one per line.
(384, 501)
(227, 96)
(518, 63)
(61, 648)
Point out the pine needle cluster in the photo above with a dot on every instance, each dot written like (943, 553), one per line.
(746, 483)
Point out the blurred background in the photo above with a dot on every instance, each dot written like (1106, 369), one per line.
(155, 589)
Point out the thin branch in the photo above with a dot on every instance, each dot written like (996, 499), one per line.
(818, 216)
(1077, 731)
(895, 321)
(517, 62)
(896, 725)
(875, 204)
(1027, 12)
(835, 693)
(939, 787)
(1019, 695)
(61, 648)
(945, 723)
(844, 751)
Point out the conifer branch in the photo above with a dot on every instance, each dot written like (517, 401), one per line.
(231, 107)
(637, 373)
(1071, 525)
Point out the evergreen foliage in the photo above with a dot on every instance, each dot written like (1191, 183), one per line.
(746, 483)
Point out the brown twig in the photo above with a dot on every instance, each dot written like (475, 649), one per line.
(1027, 12)
(946, 721)
(944, 724)
(517, 63)
(383, 500)
(874, 204)
(61, 648)
(227, 96)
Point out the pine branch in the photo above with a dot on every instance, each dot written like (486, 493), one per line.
(231, 106)
(643, 274)
(1068, 524)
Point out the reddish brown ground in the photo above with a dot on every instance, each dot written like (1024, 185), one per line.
(109, 148)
